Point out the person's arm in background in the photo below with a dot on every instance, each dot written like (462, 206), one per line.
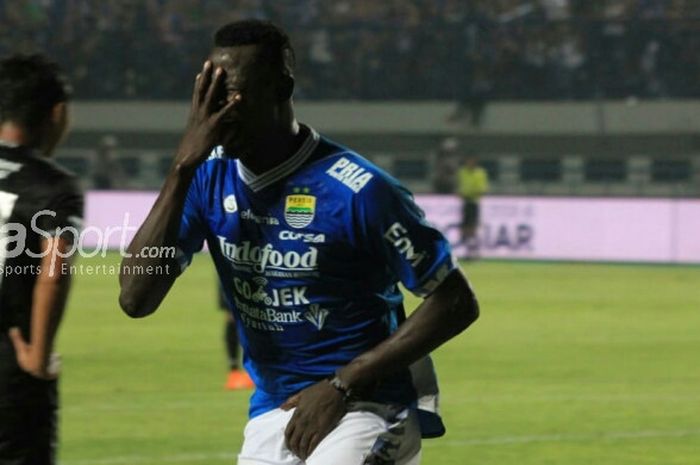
(48, 303)
(142, 294)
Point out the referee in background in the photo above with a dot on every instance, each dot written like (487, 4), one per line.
(38, 201)
(472, 184)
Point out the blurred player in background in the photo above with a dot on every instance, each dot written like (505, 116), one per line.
(37, 201)
(472, 184)
(237, 378)
(310, 241)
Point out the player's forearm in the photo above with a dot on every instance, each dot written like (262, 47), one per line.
(47, 312)
(142, 293)
(444, 314)
(48, 303)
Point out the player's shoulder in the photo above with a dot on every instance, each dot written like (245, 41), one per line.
(67, 182)
(55, 178)
(215, 163)
(351, 172)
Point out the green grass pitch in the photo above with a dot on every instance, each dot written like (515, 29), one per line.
(569, 364)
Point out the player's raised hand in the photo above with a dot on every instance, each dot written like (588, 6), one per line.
(206, 115)
(319, 409)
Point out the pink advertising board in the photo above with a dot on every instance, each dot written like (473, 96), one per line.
(535, 228)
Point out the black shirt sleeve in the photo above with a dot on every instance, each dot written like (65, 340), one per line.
(64, 213)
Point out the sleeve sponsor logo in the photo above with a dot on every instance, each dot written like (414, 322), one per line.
(397, 236)
(351, 174)
(436, 279)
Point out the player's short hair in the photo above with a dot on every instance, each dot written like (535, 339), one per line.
(276, 49)
(30, 86)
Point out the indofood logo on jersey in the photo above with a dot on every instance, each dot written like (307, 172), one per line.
(260, 258)
(300, 208)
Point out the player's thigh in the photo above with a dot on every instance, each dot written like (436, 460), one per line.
(28, 435)
(28, 413)
(263, 440)
(372, 435)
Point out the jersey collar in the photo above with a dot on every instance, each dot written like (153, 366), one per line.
(8, 144)
(281, 171)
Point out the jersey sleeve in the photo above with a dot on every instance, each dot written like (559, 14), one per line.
(63, 216)
(395, 231)
(191, 235)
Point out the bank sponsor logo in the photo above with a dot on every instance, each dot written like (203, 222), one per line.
(397, 235)
(265, 319)
(261, 258)
(299, 210)
(350, 174)
(303, 237)
(316, 315)
(270, 309)
(230, 204)
(260, 219)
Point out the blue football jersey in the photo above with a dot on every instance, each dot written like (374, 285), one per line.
(310, 255)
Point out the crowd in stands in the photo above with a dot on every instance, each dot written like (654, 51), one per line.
(369, 49)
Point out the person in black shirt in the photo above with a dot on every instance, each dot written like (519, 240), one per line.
(40, 213)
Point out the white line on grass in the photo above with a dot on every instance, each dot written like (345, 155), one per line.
(506, 398)
(179, 458)
(587, 437)
(494, 440)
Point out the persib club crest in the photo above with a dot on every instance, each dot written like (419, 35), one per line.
(299, 210)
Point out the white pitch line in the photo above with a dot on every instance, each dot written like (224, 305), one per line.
(495, 440)
(573, 398)
(135, 459)
(588, 437)
(175, 405)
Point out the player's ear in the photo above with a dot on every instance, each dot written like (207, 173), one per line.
(61, 118)
(59, 114)
(285, 89)
(56, 129)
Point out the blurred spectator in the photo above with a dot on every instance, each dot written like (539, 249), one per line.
(107, 173)
(445, 166)
(473, 92)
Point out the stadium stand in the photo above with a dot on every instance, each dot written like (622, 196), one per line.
(364, 49)
(559, 97)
